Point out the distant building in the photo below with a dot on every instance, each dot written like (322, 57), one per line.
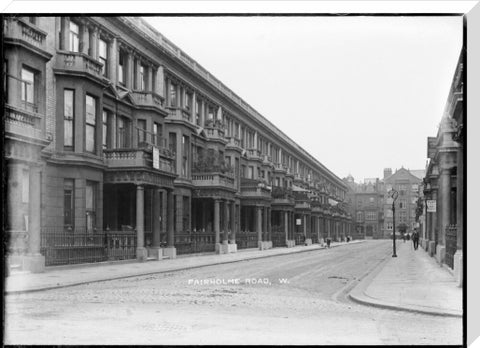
(408, 186)
(366, 207)
(372, 216)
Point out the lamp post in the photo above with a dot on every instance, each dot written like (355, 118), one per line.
(393, 194)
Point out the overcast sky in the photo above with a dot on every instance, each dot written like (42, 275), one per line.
(358, 93)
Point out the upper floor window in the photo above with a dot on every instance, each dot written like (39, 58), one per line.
(143, 77)
(121, 67)
(188, 101)
(103, 55)
(68, 117)
(197, 112)
(90, 123)
(28, 86)
(157, 134)
(142, 131)
(123, 132)
(173, 95)
(210, 112)
(74, 37)
(105, 129)
(414, 187)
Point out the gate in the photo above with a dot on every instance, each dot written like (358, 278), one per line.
(450, 244)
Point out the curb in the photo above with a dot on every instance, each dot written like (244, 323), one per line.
(358, 295)
(141, 274)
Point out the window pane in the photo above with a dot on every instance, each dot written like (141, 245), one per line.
(68, 103)
(90, 138)
(90, 106)
(102, 49)
(27, 85)
(68, 130)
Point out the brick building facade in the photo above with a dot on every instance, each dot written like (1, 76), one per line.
(119, 145)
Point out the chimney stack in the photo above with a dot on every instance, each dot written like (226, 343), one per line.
(387, 172)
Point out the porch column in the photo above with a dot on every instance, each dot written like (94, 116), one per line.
(216, 220)
(141, 251)
(305, 225)
(157, 217)
(164, 211)
(318, 229)
(285, 225)
(226, 217)
(259, 224)
(445, 206)
(269, 223)
(170, 227)
(232, 223)
(34, 261)
(265, 225)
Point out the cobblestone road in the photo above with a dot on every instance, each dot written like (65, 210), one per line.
(288, 299)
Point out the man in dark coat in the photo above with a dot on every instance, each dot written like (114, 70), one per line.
(415, 238)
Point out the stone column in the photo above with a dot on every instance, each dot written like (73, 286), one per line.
(129, 70)
(259, 226)
(170, 250)
(113, 60)
(138, 77)
(458, 257)
(157, 216)
(264, 225)
(34, 261)
(65, 38)
(179, 214)
(216, 221)
(445, 204)
(94, 47)
(84, 38)
(305, 225)
(160, 82)
(149, 84)
(141, 251)
(232, 223)
(285, 226)
(226, 218)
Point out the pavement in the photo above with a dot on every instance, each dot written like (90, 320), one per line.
(71, 275)
(413, 281)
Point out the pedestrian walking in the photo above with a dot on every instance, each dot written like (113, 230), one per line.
(328, 242)
(415, 238)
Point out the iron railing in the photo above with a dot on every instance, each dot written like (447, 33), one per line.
(62, 247)
(190, 243)
(246, 240)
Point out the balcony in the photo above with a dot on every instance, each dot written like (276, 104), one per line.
(148, 99)
(267, 160)
(281, 168)
(282, 195)
(255, 189)
(254, 154)
(215, 134)
(213, 180)
(302, 201)
(21, 32)
(78, 63)
(233, 143)
(179, 114)
(135, 158)
(24, 123)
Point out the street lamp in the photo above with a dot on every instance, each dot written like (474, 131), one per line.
(393, 194)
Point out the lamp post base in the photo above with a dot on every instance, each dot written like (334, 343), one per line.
(394, 255)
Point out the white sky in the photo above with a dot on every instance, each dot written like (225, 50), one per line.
(359, 93)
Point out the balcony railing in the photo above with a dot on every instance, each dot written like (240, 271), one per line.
(215, 133)
(148, 99)
(179, 114)
(20, 29)
(279, 167)
(124, 158)
(213, 180)
(255, 188)
(267, 159)
(254, 154)
(78, 62)
(22, 122)
(233, 142)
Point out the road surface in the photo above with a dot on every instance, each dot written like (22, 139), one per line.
(289, 299)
